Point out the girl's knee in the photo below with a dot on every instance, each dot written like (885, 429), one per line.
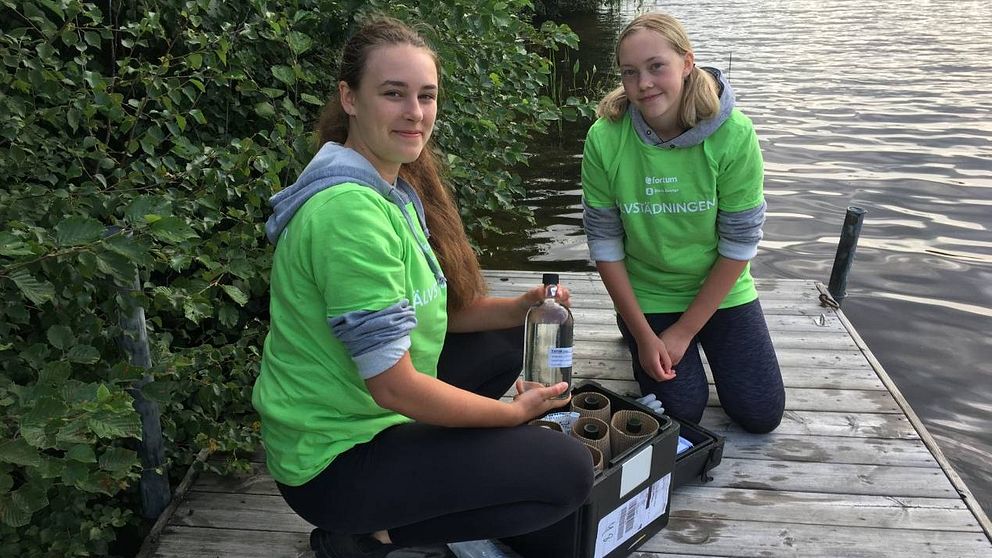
(761, 425)
(573, 474)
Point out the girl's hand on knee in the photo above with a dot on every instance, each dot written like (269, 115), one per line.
(677, 342)
(655, 359)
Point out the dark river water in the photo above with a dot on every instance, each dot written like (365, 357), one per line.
(884, 105)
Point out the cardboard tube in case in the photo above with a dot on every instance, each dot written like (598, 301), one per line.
(583, 430)
(621, 438)
(597, 459)
(592, 404)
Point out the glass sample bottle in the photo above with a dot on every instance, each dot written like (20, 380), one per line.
(548, 340)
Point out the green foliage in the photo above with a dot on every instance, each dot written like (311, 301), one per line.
(142, 139)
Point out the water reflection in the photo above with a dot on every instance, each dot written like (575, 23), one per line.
(879, 104)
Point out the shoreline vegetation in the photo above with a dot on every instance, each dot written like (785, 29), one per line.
(143, 139)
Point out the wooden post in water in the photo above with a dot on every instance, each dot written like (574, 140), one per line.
(845, 252)
(154, 484)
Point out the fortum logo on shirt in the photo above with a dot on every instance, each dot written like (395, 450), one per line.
(652, 181)
(636, 208)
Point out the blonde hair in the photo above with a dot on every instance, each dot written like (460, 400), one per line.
(448, 239)
(700, 98)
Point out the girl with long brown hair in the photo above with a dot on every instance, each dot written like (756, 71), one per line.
(385, 360)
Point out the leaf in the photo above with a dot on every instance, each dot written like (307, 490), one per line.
(299, 42)
(83, 354)
(61, 337)
(265, 109)
(19, 452)
(228, 315)
(236, 294)
(82, 453)
(38, 292)
(116, 425)
(142, 206)
(36, 436)
(12, 514)
(74, 472)
(195, 60)
(284, 74)
(308, 98)
(119, 266)
(78, 230)
(72, 115)
(118, 460)
(172, 230)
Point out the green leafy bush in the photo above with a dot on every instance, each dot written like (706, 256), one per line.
(143, 139)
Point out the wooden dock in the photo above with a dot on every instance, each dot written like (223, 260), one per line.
(851, 472)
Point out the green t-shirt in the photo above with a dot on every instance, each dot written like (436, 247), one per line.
(668, 201)
(346, 249)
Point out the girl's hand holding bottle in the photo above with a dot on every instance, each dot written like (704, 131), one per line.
(535, 295)
(535, 399)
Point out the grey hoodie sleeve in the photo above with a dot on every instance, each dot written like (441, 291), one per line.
(604, 232)
(740, 232)
(376, 340)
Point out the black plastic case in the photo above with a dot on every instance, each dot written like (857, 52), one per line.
(629, 501)
(695, 463)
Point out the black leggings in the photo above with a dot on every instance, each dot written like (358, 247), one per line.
(742, 359)
(430, 484)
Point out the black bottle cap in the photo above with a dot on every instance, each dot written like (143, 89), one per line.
(550, 278)
(592, 402)
(634, 425)
(591, 431)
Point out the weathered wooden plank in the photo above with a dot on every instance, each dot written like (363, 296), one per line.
(784, 333)
(590, 283)
(257, 481)
(821, 423)
(609, 337)
(270, 512)
(258, 512)
(809, 321)
(835, 400)
(833, 478)
(714, 537)
(797, 399)
(614, 362)
(798, 358)
(829, 449)
(928, 514)
(196, 542)
(801, 304)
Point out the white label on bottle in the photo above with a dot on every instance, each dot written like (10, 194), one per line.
(635, 514)
(559, 357)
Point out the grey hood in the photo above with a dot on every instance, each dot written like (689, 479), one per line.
(336, 164)
(696, 134)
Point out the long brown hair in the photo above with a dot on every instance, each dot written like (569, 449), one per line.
(700, 99)
(458, 260)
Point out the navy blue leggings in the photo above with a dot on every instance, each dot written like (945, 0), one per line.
(745, 369)
(429, 484)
